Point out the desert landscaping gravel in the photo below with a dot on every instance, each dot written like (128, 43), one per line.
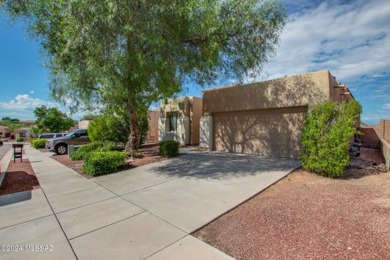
(19, 177)
(306, 216)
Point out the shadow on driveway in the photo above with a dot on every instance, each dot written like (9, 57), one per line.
(221, 166)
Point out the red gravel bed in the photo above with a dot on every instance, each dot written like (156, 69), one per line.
(19, 177)
(309, 216)
(373, 155)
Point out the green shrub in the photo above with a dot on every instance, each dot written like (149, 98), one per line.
(20, 139)
(81, 152)
(39, 143)
(100, 163)
(326, 136)
(109, 128)
(109, 146)
(114, 125)
(169, 148)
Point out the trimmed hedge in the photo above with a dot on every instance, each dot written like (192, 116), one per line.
(169, 148)
(39, 143)
(20, 139)
(326, 137)
(80, 153)
(100, 163)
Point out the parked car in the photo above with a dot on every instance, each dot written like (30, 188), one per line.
(51, 135)
(60, 145)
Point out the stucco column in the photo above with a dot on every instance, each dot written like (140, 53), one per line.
(161, 128)
(206, 132)
(187, 134)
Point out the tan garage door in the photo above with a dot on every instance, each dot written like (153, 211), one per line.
(269, 132)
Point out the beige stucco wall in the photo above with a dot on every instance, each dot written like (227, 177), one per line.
(383, 129)
(385, 148)
(180, 104)
(294, 91)
(266, 118)
(383, 132)
(83, 124)
(190, 111)
(153, 117)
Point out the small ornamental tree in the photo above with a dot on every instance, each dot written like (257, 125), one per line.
(326, 136)
(108, 128)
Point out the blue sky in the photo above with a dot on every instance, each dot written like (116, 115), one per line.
(349, 38)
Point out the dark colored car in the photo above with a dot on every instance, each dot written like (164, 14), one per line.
(60, 145)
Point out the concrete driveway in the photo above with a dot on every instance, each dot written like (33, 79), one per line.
(145, 212)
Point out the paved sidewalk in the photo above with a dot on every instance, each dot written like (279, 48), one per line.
(4, 149)
(145, 212)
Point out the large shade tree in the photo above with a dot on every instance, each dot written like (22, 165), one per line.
(129, 53)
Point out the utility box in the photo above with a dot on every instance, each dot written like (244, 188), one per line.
(72, 148)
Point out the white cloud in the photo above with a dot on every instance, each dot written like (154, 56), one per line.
(23, 102)
(350, 40)
(22, 107)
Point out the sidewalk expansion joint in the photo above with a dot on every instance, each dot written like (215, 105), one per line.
(113, 223)
(59, 223)
(24, 222)
(147, 187)
(82, 206)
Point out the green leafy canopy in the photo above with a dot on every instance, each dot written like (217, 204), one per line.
(129, 53)
(51, 120)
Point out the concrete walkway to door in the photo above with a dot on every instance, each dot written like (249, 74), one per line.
(146, 212)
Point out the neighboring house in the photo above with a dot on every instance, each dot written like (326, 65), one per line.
(21, 132)
(265, 118)
(4, 132)
(152, 135)
(179, 120)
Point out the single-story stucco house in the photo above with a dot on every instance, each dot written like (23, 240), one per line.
(265, 118)
(21, 132)
(179, 120)
(4, 132)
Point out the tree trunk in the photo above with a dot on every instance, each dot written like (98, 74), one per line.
(133, 143)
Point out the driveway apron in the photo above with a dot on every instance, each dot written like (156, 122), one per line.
(146, 212)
